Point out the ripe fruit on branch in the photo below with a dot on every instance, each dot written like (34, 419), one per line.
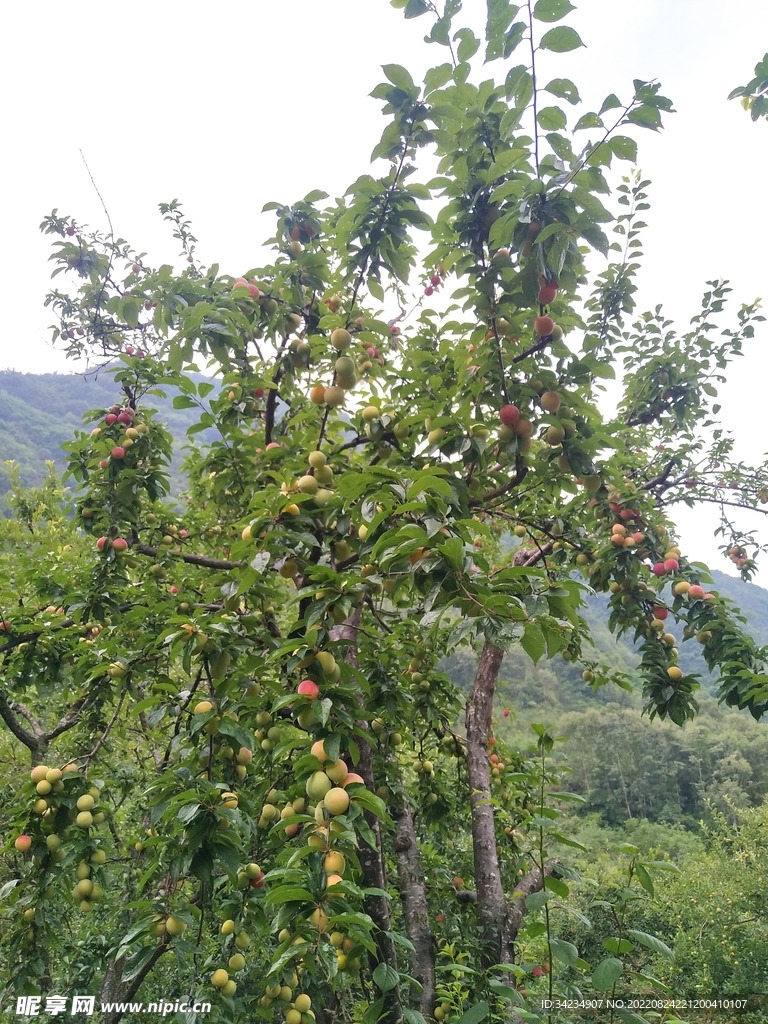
(675, 673)
(118, 452)
(333, 396)
(23, 843)
(341, 339)
(696, 592)
(119, 544)
(308, 688)
(548, 292)
(543, 326)
(550, 401)
(318, 785)
(351, 778)
(337, 801)
(509, 415)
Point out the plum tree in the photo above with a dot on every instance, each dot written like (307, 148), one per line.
(275, 752)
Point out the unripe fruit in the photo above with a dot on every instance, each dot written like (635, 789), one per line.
(675, 673)
(337, 771)
(85, 802)
(39, 772)
(334, 863)
(202, 707)
(303, 1003)
(236, 962)
(334, 397)
(318, 785)
(341, 339)
(337, 801)
(219, 978)
(550, 401)
(243, 940)
(227, 927)
(84, 819)
(43, 787)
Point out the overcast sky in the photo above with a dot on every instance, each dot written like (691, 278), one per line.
(227, 108)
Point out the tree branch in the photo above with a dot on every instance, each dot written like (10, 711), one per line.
(18, 730)
(208, 563)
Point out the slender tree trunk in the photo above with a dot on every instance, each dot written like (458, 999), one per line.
(415, 909)
(490, 907)
(372, 858)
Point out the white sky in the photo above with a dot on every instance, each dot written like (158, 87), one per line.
(226, 108)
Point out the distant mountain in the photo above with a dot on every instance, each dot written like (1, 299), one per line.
(39, 412)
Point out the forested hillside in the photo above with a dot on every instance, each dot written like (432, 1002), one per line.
(39, 412)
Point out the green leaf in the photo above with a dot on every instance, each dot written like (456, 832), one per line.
(618, 945)
(552, 10)
(501, 13)
(607, 973)
(289, 894)
(561, 40)
(435, 78)
(551, 119)
(536, 900)
(413, 1016)
(415, 8)
(564, 951)
(646, 116)
(558, 887)
(533, 642)
(564, 89)
(475, 1014)
(130, 312)
(400, 77)
(514, 38)
(629, 1017)
(590, 120)
(651, 942)
(623, 147)
(644, 878)
(386, 977)
(468, 46)
(610, 103)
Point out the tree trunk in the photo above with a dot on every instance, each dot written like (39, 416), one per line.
(372, 859)
(415, 909)
(490, 907)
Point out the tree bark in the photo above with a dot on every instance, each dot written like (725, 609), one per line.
(372, 859)
(490, 907)
(415, 909)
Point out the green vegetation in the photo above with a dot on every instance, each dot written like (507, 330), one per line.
(253, 747)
